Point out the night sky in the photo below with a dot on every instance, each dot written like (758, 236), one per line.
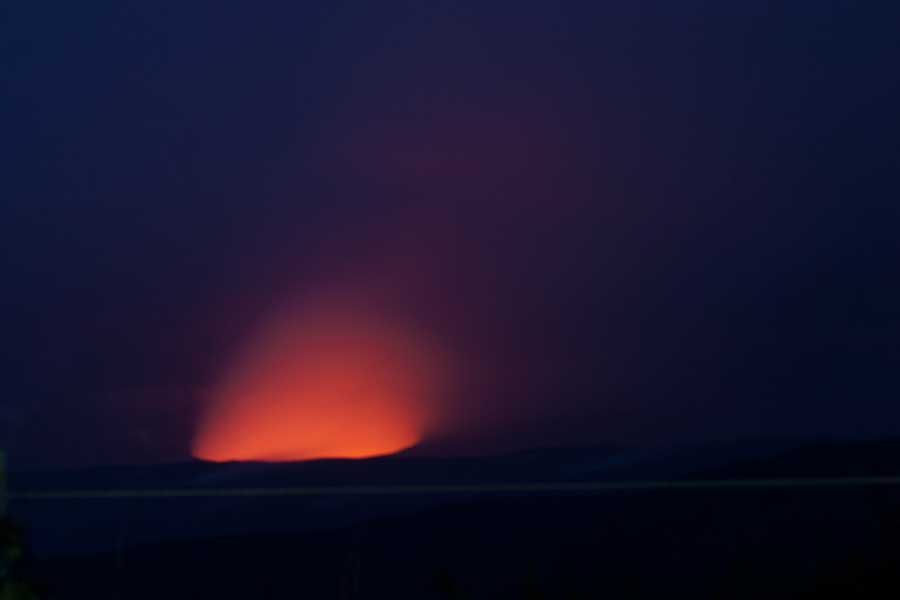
(636, 222)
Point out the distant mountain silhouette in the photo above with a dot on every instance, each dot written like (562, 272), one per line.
(825, 458)
(542, 464)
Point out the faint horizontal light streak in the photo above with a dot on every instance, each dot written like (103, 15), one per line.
(514, 488)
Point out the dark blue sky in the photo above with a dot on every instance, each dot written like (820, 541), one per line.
(648, 220)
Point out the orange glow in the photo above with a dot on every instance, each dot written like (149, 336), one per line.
(322, 382)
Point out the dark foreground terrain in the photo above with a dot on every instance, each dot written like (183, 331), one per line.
(742, 542)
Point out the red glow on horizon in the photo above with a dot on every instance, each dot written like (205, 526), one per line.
(324, 383)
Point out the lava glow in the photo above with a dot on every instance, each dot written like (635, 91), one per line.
(319, 383)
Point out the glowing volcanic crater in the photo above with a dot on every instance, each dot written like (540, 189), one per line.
(322, 382)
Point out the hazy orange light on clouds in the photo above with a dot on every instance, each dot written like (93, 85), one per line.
(323, 379)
